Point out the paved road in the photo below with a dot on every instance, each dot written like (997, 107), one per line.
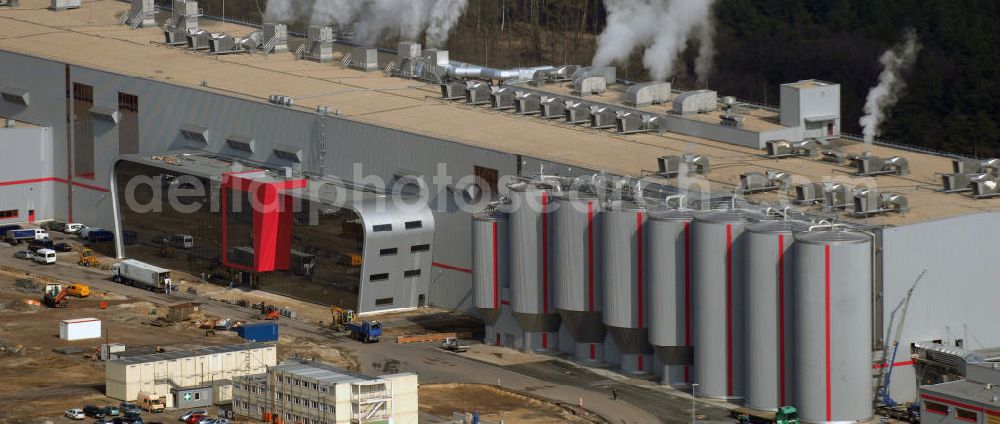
(554, 380)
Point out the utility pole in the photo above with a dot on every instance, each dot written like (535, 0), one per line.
(693, 404)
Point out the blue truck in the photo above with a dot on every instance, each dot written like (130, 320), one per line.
(258, 331)
(367, 331)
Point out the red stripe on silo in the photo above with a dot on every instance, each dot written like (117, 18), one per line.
(687, 294)
(638, 267)
(545, 340)
(729, 309)
(496, 270)
(593, 351)
(590, 261)
(545, 259)
(826, 300)
(781, 318)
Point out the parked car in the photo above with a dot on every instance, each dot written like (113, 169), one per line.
(206, 420)
(62, 247)
(100, 236)
(127, 408)
(196, 418)
(5, 228)
(160, 240)
(72, 228)
(85, 231)
(45, 256)
(93, 411)
(111, 410)
(24, 254)
(188, 414)
(133, 417)
(221, 421)
(75, 414)
(181, 241)
(34, 245)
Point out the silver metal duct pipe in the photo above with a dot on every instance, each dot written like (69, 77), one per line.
(467, 70)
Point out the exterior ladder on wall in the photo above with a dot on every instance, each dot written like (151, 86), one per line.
(389, 69)
(346, 61)
(299, 52)
(123, 18)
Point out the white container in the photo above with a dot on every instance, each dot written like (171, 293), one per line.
(80, 329)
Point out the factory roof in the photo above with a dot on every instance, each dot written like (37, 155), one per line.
(91, 37)
(966, 391)
(170, 356)
(321, 372)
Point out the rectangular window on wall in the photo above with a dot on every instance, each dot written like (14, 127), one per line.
(411, 273)
(420, 248)
(12, 213)
(413, 225)
(128, 127)
(387, 252)
(383, 301)
(487, 180)
(83, 131)
(966, 415)
(378, 277)
(937, 408)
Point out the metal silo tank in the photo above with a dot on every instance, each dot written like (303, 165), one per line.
(577, 270)
(768, 312)
(625, 285)
(669, 265)
(832, 374)
(718, 301)
(490, 256)
(532, 294)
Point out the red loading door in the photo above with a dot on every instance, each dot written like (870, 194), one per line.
(31, 215)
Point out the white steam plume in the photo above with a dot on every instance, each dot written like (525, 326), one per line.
(337, 12)
(663, 27)
(444, 16)
(883, 96)
(705, 62)
(281, 10)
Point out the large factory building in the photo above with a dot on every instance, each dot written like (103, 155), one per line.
(754, 251)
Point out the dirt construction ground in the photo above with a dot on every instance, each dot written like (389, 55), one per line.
(40, 383)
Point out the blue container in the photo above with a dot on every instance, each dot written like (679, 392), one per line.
(259, 331)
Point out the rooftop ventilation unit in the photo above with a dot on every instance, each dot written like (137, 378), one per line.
(602, 117)
(609, 73)
(868, 201)
(527, 103)
(437, 57)
(731, 120)
(241, 143)
(648, 93)
(785, 148)
(868, 165)
(563, 73)
(196, 136)
(672, 166)
(632, 122)
(477, 93)
(552, 107)
(834, 157)
(758, 182)
(502, 98)
(976, 166)
(585, 86)
(319, 44)
(985, 188)
(365, 59)
(60, 5)
(142, 13)
(453, 90)
(16, 96)
(198, 39)
(183, 21)
(288, 152)
(281, 100)
(835, 196)
(221, 43)
(577, 112)
(408, 50)
(809, 193)
(274, 38)
(694, 102)
(959, 182)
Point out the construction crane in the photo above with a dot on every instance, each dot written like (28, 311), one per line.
(885, 399)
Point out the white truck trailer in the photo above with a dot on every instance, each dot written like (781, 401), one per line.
(140, 274)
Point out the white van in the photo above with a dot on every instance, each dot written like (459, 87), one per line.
(45, 256)
(182, 241)
(72, 228)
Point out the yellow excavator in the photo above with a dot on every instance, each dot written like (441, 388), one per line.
(341, 316)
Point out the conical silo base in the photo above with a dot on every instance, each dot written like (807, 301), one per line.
(589, 353)
(637, 363)
(541, 341)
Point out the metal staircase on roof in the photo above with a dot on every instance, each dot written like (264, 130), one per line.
(270, 45)
(300, 52)
(346, 61)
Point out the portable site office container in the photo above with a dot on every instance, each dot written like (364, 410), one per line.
(80, 329)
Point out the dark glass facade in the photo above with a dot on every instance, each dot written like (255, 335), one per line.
(324, 263)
